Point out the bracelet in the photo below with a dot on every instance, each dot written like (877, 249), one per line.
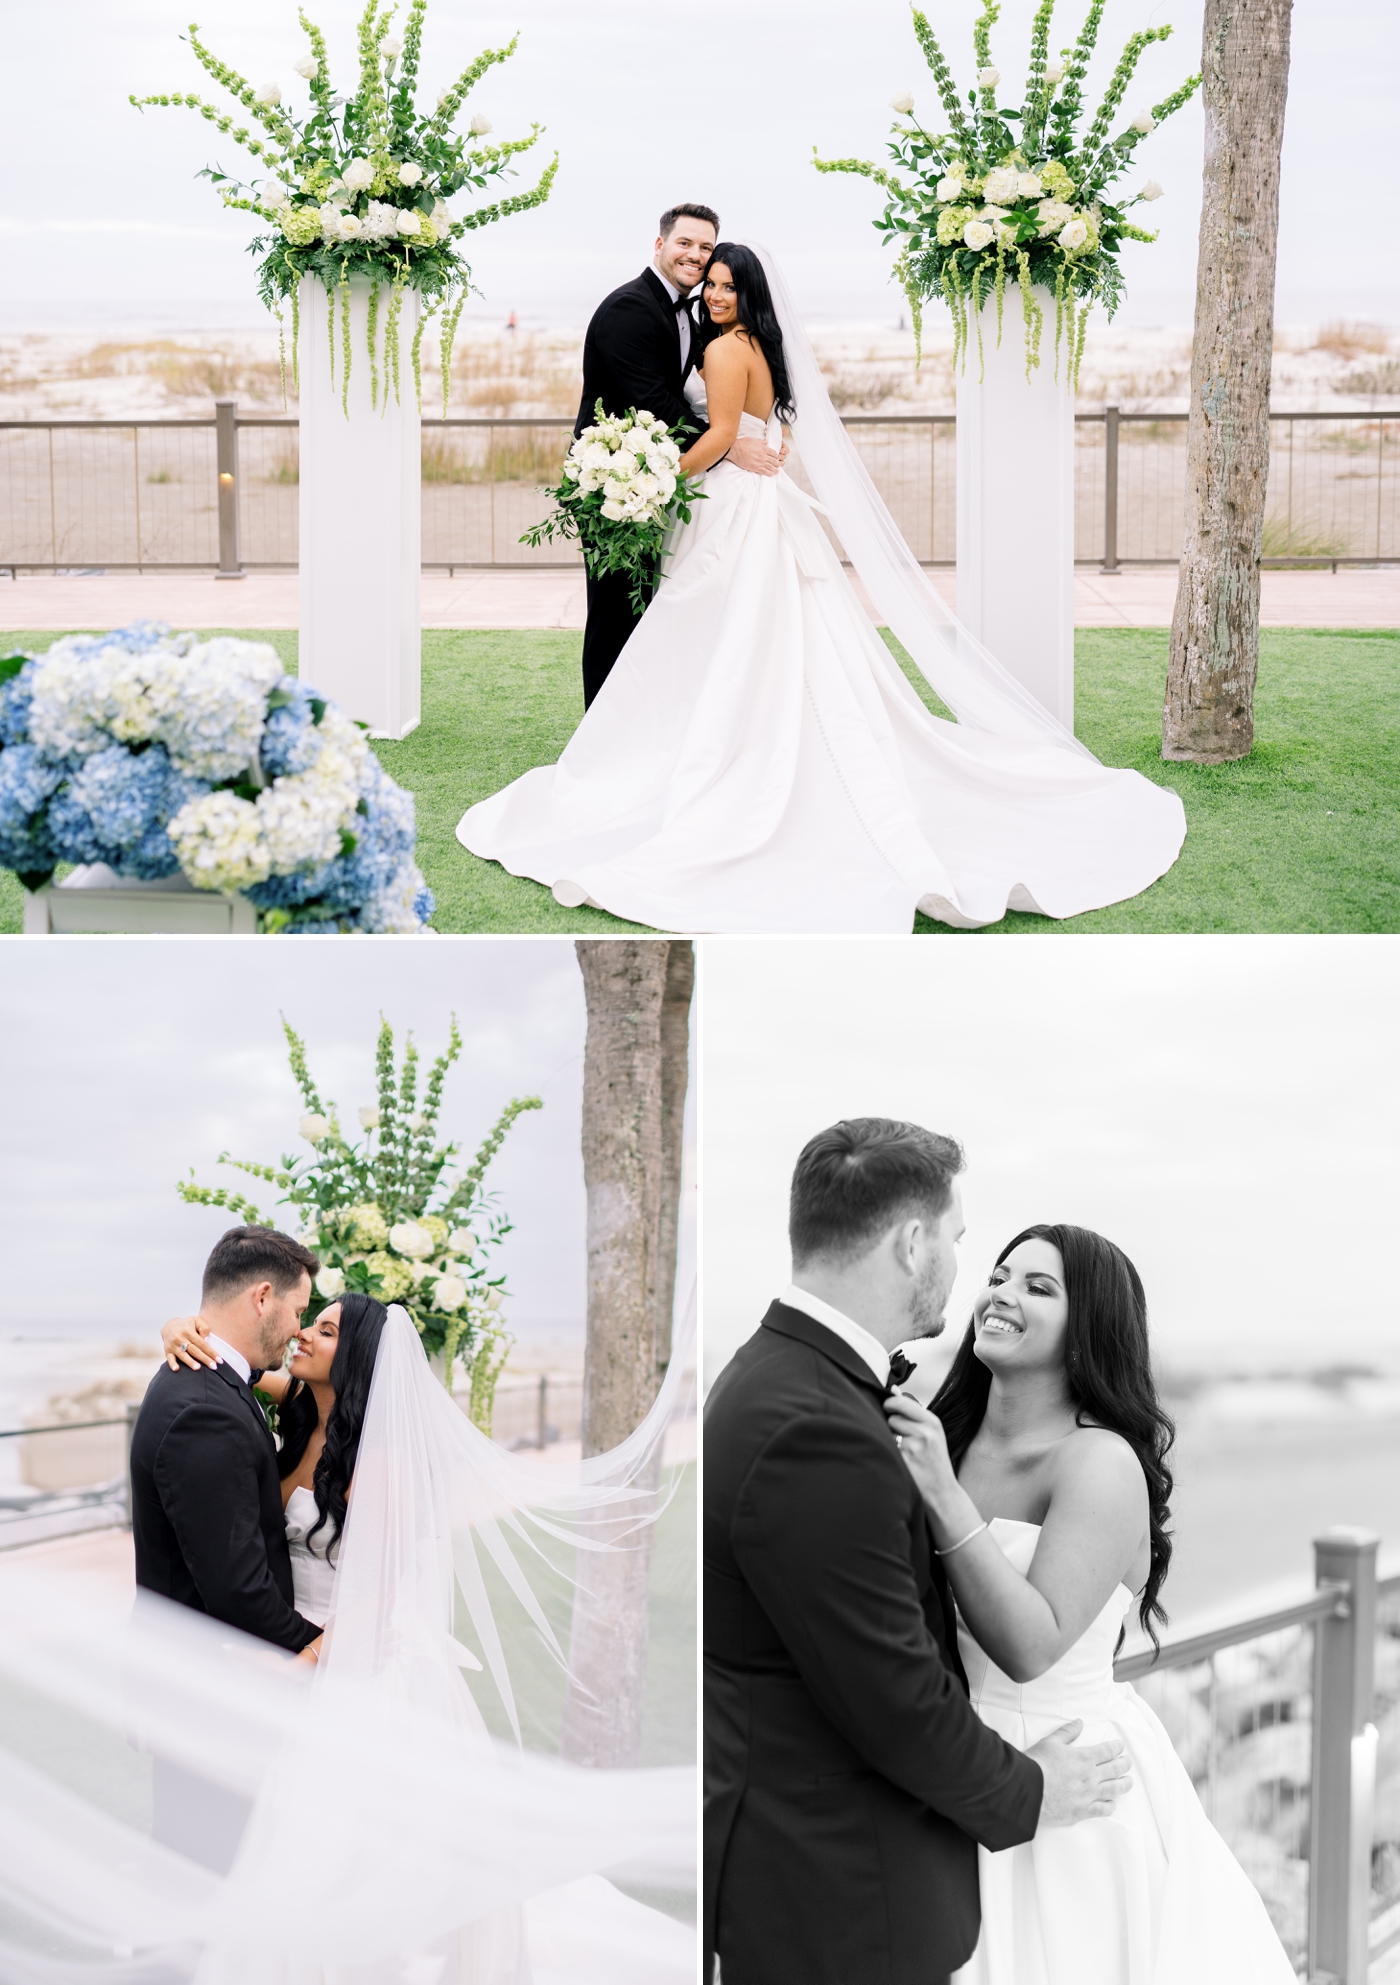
(961, 1541)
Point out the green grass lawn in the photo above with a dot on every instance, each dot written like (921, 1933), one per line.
(1304, 835)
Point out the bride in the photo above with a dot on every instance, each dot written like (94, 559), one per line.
(1043, 1468)
(412, 1780)
(758, 761)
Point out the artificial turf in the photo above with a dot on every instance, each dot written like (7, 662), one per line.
(1303, 835)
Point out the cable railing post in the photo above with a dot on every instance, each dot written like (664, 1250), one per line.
(543, 1429)
(1343, 1760)
(1110, 490)
(133, 1408)
(226, 449)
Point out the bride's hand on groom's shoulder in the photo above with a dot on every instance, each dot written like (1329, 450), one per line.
(922, 1444)
(182, 1342)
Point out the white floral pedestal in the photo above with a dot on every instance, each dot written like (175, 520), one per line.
(95, 899)
(360, 516)
(1016, 505)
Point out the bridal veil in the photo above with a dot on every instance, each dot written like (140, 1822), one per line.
(410, 1817)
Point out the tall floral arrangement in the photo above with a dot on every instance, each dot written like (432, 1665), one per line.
(392, 1215)
(359, 185)
(157, 754)
(1017, 194)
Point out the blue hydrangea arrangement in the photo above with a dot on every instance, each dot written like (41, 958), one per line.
(158, 754)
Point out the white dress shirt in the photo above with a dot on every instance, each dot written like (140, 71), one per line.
(228, 1356)
(682, 316)
(870, 1348)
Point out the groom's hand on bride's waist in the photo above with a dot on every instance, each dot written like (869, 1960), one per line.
(752, 454)
(1082, 1781)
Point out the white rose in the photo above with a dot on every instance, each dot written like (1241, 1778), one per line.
(1054, 73)
(409, 173)
(977, 234)
(1152, 191)
(987, 79)
(411, 1239)
(903, 104)
(949, 187)
(313, 1128)
(307, 66)
(369, 1117)
(479, 126)
(1028, 186)
(1001, 185)
(461, 1240)
(1144, 122)
(450, 1292)
(357, 174)
(612, 510)
(270, 93)
(1053, 214)
(495, 1299)
(1073, 234)
(350, 227)
(409, 221)
(330, 1283)
(391, 48)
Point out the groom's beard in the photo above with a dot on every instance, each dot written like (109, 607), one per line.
(272, 1344)
(926, 1311)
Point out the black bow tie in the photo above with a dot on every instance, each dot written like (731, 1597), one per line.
(682, 303)
(901, 1371)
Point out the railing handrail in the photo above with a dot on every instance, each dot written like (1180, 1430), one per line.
(1328, 1602)
(567, 420)
(58, 1427)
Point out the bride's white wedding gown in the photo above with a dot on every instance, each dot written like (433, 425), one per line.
(1153, 1895)
(757, 761)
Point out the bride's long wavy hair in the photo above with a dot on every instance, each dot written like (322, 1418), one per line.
(753, 309)
(1108, 1368)
(362, 1319)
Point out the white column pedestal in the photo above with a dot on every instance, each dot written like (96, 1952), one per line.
(360, 518)
(1016, 505)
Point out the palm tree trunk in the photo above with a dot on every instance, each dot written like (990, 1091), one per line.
(638, 997)
(1209, 711)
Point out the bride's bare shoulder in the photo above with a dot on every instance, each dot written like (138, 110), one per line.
(1095, 1463)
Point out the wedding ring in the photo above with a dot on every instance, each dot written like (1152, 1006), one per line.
(182, 1345)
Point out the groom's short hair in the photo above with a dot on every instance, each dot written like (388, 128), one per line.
(855, 1181)
(245, 1255)
(692, 210)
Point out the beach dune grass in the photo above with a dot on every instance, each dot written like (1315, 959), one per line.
(1304, 835)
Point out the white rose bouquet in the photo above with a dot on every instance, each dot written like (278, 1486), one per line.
(619, 493)
(1017, 191)
(359, 186)
(384, 1217)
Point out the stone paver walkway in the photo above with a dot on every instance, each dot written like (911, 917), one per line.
(535, 599)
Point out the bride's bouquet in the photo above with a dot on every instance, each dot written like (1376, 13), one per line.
(387, 1219)
(619, 493)
(1017, 193)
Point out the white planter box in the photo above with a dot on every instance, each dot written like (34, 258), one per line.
(1016, 505)
(360, 509)
(94, 899)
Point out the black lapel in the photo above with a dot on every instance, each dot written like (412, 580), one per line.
(660, 296)
(796, 1323)
(229, 1376)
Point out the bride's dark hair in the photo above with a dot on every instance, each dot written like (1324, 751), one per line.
(1108, 1368)
(361, 1321)
(753, 309)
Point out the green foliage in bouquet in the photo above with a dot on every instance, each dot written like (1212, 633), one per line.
(367, 1210)
(359, 186)
(1017, 194)
(619, 493)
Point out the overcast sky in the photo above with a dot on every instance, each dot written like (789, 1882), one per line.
(1223, 1108)
(647, 101)
(129, 1061)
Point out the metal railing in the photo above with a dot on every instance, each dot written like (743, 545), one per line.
(1277, 1719)
(221, 494)
(52, 1510)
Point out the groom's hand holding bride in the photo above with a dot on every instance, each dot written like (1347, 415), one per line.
(1083, 1781)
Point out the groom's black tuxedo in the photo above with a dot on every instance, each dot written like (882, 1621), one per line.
(847, 1776)
(631, 358)
(206, 1505)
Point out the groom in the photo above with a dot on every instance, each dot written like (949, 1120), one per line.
(848, 1778)
(641, 344)
(206, 1502)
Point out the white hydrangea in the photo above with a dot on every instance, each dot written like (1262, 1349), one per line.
(1053, 214)
(381, 220)
(1002, 185)
(219, 843)
(357, 174)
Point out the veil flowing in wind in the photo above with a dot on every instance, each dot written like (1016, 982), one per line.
(410, 1821)
(976, 687)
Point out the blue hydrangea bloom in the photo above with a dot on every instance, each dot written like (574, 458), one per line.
(290, 742)
(424, 903)
(384, 838)
(26, 781)
(15, 696)
(115, 807)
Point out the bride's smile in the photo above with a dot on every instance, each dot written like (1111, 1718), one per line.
(1023, 1311)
